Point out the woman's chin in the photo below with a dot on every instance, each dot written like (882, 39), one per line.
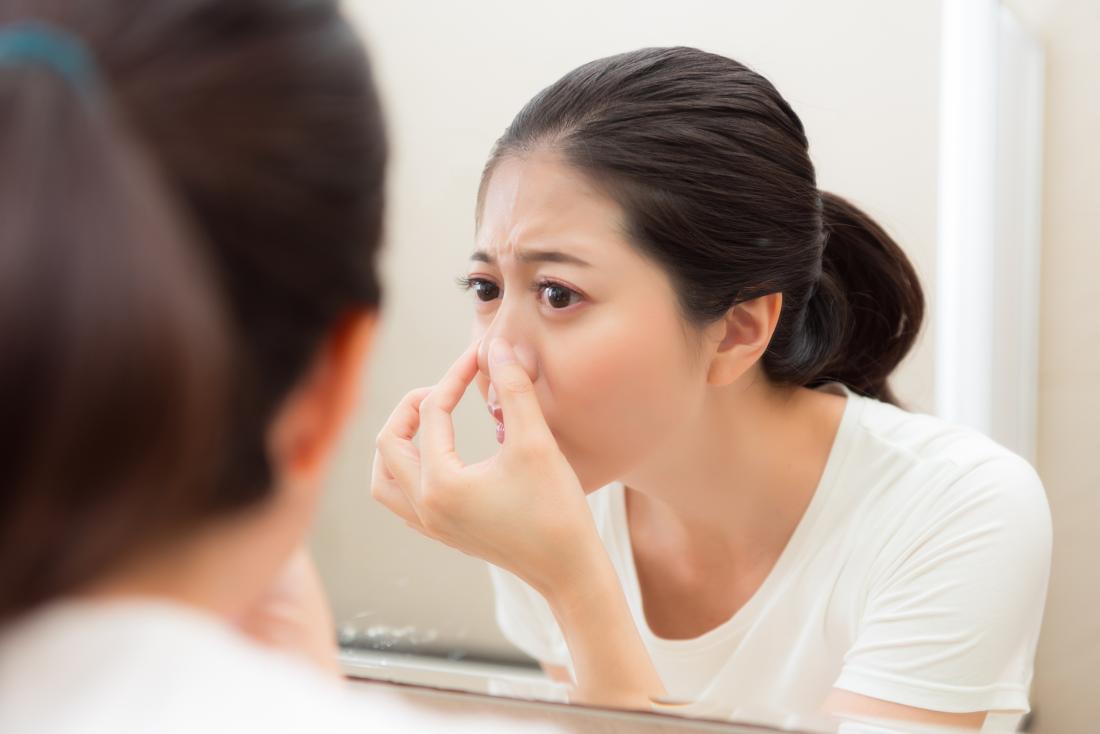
(590, 477)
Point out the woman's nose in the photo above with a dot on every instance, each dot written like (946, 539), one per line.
(525, 353)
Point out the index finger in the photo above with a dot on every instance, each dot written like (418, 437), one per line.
(404, 421)
(518, 402)
(395, 440)
(437, 435)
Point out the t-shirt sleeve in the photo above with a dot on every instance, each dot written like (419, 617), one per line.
(953, 608)
(526, 621)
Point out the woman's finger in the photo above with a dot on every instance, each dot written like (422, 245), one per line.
(404, 421)
(523, 418)
(385, 489)
(395, 444)
(391, 497)
(437, 436)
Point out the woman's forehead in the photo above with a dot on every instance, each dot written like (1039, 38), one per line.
(538, 204)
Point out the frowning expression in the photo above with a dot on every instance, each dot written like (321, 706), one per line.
(596, 323)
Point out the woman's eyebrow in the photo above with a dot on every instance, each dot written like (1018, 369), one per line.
(533, 256)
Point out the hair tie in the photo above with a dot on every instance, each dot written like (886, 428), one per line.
(32, 43)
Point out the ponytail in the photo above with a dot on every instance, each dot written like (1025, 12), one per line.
(867, 308)
(112, 341)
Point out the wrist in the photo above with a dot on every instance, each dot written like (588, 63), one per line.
(591, 586)
(611, 664)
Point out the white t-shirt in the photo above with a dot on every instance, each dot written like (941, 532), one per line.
(917, 575)
(128, 667)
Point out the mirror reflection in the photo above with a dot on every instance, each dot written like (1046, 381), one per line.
(618, 366)
(802, 533)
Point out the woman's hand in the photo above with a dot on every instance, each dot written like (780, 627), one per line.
(522, 510)
(294, 617)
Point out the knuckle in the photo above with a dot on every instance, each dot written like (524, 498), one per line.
(414, 401)
(429, 402)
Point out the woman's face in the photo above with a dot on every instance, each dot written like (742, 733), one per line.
(596, 324)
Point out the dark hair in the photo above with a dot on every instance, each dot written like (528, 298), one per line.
(176, 242)
(711, 167)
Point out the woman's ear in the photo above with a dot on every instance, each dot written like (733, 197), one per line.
(306, 428)
(742, 337)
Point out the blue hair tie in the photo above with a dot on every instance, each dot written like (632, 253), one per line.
(34, 42)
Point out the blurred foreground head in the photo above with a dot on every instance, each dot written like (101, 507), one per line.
(191, 197)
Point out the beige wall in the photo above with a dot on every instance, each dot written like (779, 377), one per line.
(1067, 680)
(861, 73)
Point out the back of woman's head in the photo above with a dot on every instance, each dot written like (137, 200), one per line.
(711, 168)
(190, 200)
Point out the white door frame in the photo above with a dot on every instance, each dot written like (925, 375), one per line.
(987, 285)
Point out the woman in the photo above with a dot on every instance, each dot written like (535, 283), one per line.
(680, 317)
(190, 208)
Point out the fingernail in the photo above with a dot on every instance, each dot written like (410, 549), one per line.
(500, 353)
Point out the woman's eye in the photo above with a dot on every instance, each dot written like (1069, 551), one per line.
(555, 295)
(558, 296)
(485, 290)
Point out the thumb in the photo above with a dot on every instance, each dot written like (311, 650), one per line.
(516, 393)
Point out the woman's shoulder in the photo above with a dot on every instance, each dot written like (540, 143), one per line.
(924, 465)
(921, 439)
(925, 504)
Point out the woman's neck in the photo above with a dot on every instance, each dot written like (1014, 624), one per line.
(741, 475)
(221, 569)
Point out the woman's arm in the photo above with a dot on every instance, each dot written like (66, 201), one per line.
(556, 673)
(612, 665)
(845, 703)
(522, 510)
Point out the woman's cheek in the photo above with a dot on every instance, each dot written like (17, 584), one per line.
(624, 397)
(591, 395)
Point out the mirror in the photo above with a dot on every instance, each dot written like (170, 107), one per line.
(959, 127)
(579, 719)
